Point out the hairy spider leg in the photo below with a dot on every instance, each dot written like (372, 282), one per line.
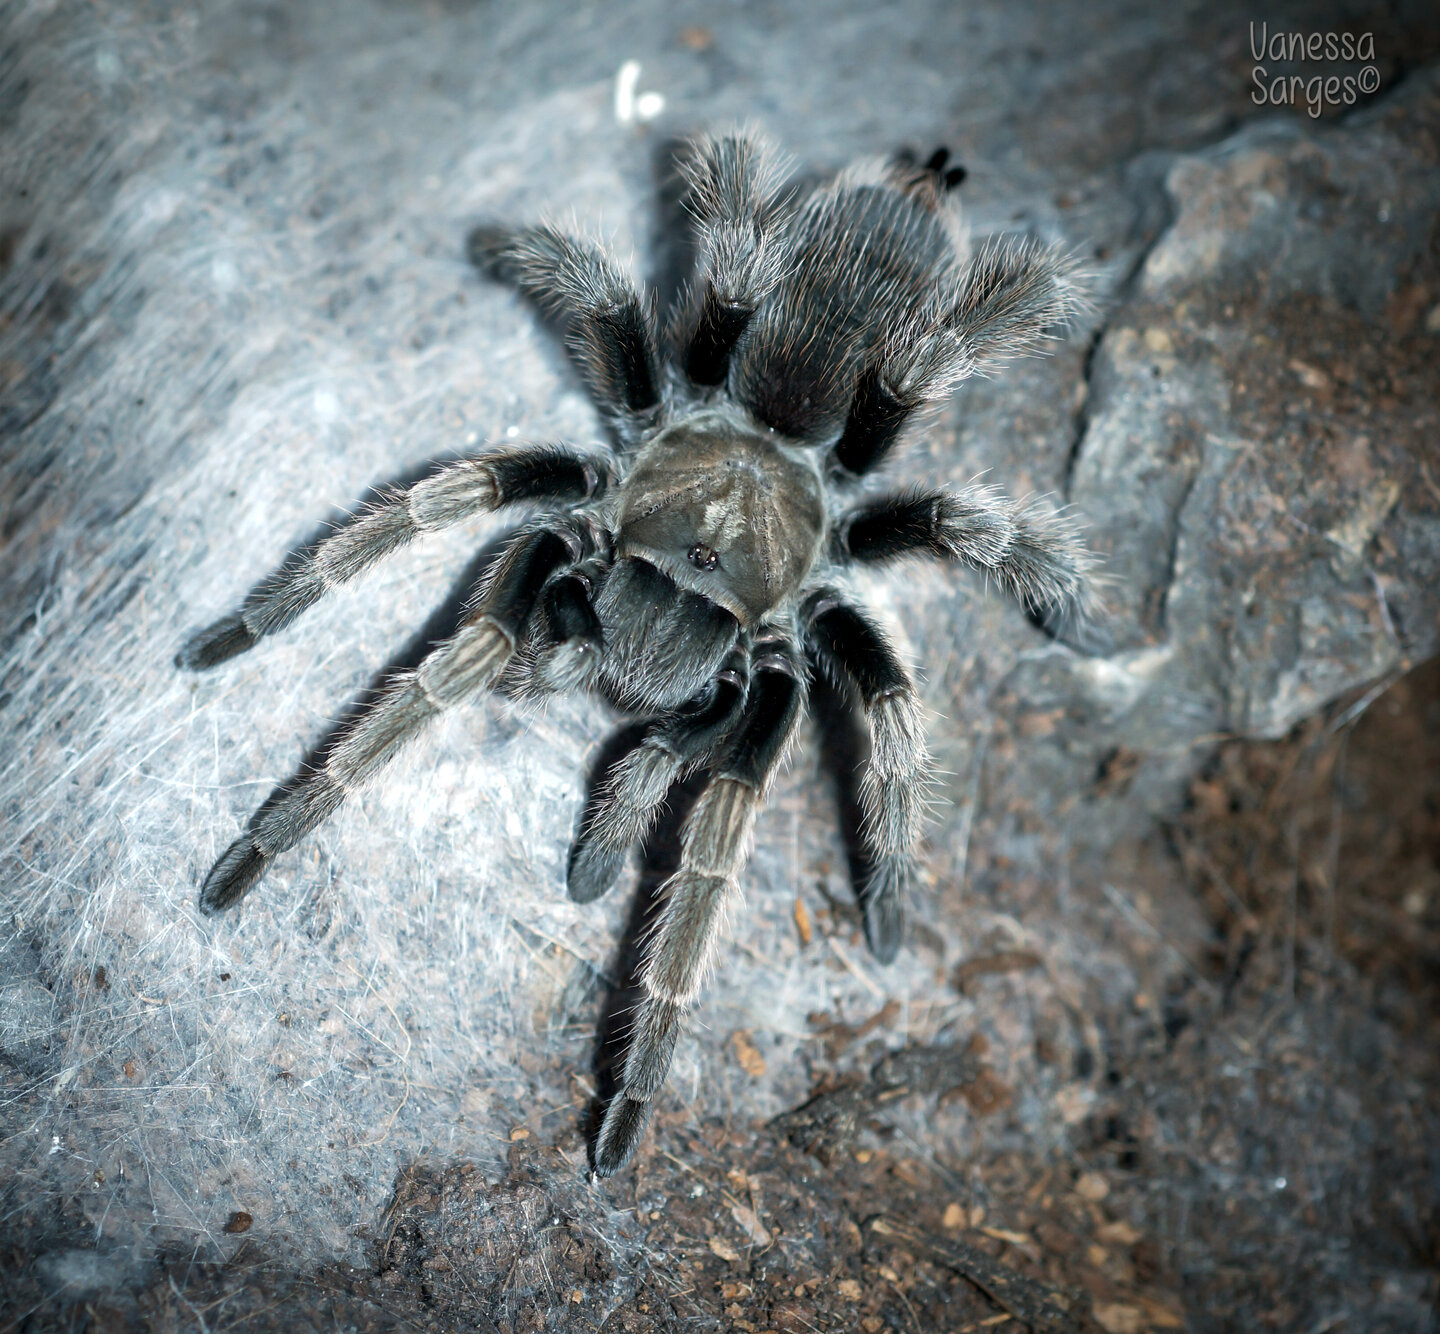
(568, 636)
(508, 476)
(998, 305)
(609, 324)
(737, 198)
(1033, 554)
(460, 667)
(854, 654)
(628, 798)
(699, 896)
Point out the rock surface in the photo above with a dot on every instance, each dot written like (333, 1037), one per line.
(235, 298)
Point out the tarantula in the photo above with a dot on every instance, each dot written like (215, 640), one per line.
(692, 571)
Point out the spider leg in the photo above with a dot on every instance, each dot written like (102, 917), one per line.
(470, 486)
(626, 802)
(854, 654)
(998, 305)
(610, 325)
(736, 196)
(700, 894)
(470, 661)
(1034, 555)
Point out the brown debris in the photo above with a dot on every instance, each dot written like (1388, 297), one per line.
(1046, 1310)
(991, 965)
(838, 1036)
(802, 923)
(747, 1054)
(985, 1094)
(828, 1122)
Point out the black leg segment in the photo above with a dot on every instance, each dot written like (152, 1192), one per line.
(918, 522)
(523, 571)
(620, 348)
(770, 715)
(850, 649)
(717, 330)
(874, 422)
(545, 472)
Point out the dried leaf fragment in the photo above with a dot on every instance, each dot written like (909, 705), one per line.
(719, 1246)
(802, 923)
(1006, 961)
(1119, 1233)
(1117, 1318)
(750, 1224)
(1006, 1235)
(748, 1054)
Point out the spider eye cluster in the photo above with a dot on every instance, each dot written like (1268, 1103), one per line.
(707, 558)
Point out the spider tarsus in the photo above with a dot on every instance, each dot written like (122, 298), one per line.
(233, 876)
(884, 925)
(625, 1121)
(226, 639)
(593, 869)
(486, 244)
(882, 899)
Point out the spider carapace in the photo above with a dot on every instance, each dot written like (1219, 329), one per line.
(692, 570)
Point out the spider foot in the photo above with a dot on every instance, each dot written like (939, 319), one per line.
(233, 876)
(883, 904)
(593, 868)
(884, 928)
(945, 177)
(948, 177)
(486, 245)
(215, 644)
(625, 1121)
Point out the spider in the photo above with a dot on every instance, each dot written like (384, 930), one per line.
(692, 571)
